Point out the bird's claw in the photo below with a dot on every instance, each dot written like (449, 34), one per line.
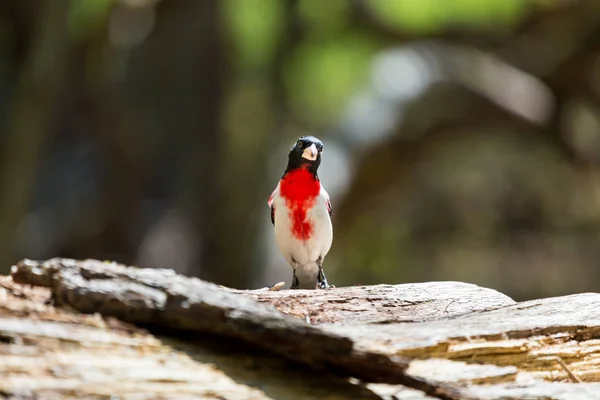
(325, 285)
(322, 280)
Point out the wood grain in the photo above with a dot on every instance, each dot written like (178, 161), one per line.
(447, 340)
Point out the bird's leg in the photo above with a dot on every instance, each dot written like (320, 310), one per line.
(321, 278)
(295, 282)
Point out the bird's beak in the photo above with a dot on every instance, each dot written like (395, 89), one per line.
(310, 153)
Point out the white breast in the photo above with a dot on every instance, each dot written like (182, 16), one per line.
(303, 252)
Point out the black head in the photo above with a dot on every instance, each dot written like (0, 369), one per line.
(305, 153)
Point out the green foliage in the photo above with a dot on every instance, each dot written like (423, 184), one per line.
(433, 16)
(255, 27)
(333, 60)
(323, 17)
(490, 12)
(86, 16)
(322, 74)
(418, 16)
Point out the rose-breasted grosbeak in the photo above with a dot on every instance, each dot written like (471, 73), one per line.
(301, 214)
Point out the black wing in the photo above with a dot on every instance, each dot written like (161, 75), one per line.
(270, 203)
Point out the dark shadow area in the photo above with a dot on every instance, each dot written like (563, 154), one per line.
(278, 378)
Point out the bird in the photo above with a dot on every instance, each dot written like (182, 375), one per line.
(301, 215)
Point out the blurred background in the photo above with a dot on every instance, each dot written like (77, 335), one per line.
(462, 137)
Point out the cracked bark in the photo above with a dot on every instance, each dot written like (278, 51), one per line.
(52, 353)
(161, 298)
(383, 304)
(447, 339)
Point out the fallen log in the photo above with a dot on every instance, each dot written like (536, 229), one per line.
(160, 297)
(446, 339)
(53, 353)
(534, 336)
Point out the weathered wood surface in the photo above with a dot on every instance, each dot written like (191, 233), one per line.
(450, 340)
(532, 336)
(535, 349)
(160, 297)
(50, 353)
(382, 304)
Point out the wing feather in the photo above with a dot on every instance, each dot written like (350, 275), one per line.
(271, 205)
(327, 201)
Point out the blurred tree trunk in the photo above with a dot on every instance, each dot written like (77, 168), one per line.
(101, 109)
(178, 76)
(34, 100)
(258, 116)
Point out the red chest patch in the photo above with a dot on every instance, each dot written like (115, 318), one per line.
(300, 189)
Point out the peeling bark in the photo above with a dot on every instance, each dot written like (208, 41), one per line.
(51, 353)
(538, 343)
(159, 297)
(448, 340)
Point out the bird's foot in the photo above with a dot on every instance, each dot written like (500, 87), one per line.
(325, 285)
(322, 280)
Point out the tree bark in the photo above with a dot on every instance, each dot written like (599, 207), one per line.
(382, 304)
(448, 340)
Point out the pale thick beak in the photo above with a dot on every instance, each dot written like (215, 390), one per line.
(310, 153)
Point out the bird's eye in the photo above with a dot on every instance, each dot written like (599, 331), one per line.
(299, 144)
